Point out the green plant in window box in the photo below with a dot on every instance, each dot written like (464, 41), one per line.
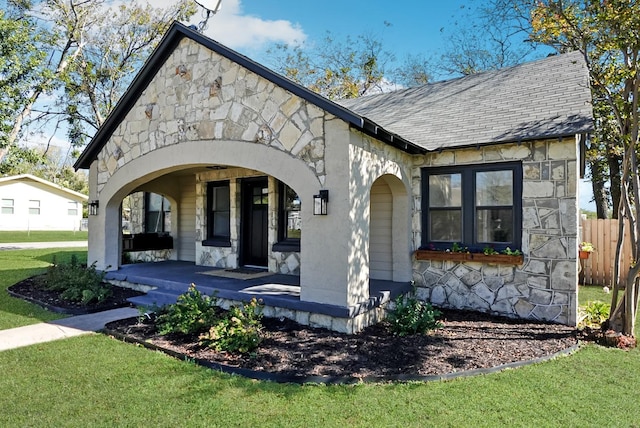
(458, 248)
(489, 251)
(509, 252)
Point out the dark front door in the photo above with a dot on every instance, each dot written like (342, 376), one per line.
(255, 221)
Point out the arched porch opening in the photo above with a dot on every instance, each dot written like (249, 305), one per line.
(389, 230)
(187, 186)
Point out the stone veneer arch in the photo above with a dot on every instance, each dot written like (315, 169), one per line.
(168, 159)
(162, 161)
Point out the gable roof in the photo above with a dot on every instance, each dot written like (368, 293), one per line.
(28, 177)
(174, 35)
(543, 99)
(548, 98)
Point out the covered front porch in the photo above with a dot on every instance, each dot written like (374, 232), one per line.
(279, 293)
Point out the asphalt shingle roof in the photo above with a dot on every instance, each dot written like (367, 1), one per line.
(541, 99)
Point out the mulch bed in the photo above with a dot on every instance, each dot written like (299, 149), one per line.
(292, 352)
(468, 341)
(29, 290)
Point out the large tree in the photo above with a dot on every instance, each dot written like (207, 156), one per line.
(20, 69)
(349, 67)
(93, 49)
(607, 32)
(336, 68)
(484, 37)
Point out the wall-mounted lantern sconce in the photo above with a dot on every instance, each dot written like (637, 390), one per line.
(93, 207)
(320, 202)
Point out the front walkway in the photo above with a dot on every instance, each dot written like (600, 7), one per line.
(60, 329)
(172, 278)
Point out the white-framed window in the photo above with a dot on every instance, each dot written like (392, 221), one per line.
(34, 207)
(72, 208)
(7, 206)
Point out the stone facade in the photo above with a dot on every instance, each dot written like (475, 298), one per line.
(545, 286)
(204, 116)
(228, 257)
(200, 96)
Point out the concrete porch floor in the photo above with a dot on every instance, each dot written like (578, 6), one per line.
(172, 278)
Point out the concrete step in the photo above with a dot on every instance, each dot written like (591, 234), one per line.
(154, 299)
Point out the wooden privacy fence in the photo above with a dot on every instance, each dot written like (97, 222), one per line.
(598, 268)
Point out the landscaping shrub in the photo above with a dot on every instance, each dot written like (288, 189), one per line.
(594, 313)
(412, 316)
(77, 283)
(193, 313)
(238, 330)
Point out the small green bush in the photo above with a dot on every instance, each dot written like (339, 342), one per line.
(595, 313)
(193, 313)
(412, 316)
(77, 283)
(238, 331)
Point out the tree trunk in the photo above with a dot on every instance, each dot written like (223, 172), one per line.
(600, 196)
(616, 192)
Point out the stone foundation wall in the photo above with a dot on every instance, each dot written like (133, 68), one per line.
(341, 325)
(544, 287)
(148, 256)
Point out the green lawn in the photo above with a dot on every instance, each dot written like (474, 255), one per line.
(97, 381)
(590, 293)
(42, 236)
(17, 265)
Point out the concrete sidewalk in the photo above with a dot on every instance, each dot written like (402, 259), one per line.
(26, 245)
(61, 329)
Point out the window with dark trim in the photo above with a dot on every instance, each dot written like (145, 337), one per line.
(477, 206)
(289, 222)
(157, 213)
(218, 214)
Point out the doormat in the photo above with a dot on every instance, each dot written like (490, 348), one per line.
(239, 273)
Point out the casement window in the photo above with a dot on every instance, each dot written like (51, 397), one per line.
(476, 206)
(72, 208)
(7, 206)
(34, 207)
(218, 214)
(289, 221)
(157, 213)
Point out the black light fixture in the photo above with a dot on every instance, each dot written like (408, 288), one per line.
(320, 202)
(93, 207)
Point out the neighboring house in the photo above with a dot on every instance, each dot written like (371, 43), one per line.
(32, 203)
(248, 161)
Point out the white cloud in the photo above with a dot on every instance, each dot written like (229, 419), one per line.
(231, 27)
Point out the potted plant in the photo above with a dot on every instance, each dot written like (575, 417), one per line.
(585, 250)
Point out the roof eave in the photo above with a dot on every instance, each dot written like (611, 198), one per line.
(175, 34)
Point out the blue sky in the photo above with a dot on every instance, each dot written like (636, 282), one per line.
(415, 26)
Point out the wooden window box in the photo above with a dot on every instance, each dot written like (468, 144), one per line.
(503, 259)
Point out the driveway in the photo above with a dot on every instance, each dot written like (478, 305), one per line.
(27, 245)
